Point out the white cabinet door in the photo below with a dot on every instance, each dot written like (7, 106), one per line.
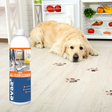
(12, 11)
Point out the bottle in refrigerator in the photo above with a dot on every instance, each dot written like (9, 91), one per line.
(68, 20)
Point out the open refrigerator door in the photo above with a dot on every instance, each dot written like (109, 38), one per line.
(62, 11)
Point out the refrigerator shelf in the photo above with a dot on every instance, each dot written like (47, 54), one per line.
(99, 27)
(99, 32)
(98, 37)
(109, 35)
(103, 13)
(101, 19)
(105, 24)
(53, 12)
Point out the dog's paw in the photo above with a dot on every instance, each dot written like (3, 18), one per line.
(94, 52)
(39, 46)
(65, 56)
(55, 49)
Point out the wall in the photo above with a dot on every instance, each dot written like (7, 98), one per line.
(2, 18)
(3, 27)
(26, 16)
(2, 1)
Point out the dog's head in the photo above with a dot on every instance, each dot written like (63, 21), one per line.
(76, 49)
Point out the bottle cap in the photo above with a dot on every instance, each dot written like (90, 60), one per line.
(20, 32)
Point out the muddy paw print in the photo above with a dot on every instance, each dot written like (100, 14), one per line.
(71, 80)
(59, 64)
(92, 69)
(109, 92)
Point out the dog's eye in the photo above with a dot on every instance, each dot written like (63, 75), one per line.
(81, 48)
(71, 47)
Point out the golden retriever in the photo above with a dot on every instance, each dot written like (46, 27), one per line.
(62, 39)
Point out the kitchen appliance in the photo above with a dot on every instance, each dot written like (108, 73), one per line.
(106, 18)
(67, 9)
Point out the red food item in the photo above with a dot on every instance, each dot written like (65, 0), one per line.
(50, 8)
(58, 8)
(110, 24)
(91, 30)
(100, 9)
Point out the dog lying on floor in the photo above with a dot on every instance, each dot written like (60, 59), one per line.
(62, 39)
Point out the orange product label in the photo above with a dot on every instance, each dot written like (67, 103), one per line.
(19, 48)
(20, 74)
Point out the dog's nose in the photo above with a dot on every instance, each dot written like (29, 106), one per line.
(75, 57)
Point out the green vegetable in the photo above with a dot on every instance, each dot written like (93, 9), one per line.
(38, 1)
(89, 12)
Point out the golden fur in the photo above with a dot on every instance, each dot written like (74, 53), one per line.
(59, 37)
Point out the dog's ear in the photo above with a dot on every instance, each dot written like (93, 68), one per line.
(58, 48)
(63, 48)
(86, 50)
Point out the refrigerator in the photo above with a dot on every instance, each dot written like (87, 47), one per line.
(105, 17)
(70, 10)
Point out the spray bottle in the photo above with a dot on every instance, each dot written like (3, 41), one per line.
(19, 73)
